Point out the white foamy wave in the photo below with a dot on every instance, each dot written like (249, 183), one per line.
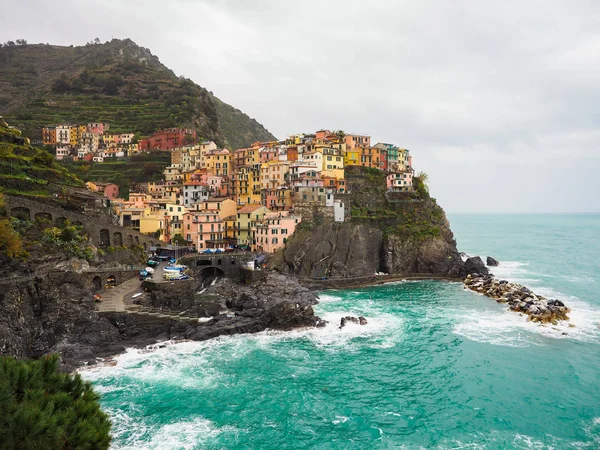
(174, 436)
(381, 331)
(509, 328)
(327, 298)
(511, 270)
(191, 361)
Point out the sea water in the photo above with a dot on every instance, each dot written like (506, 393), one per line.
(436, 367)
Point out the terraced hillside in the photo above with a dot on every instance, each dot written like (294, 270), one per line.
(116, 82)
(138, 168)
(28, 170)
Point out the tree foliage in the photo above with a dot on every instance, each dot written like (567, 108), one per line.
(10, 241)
(420, 184)
(42, 408)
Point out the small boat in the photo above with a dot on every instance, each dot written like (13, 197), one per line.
(175, 268)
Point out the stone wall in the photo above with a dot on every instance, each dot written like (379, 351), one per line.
(101, 231)
(181, 297)
(314, 213)
(225, 264)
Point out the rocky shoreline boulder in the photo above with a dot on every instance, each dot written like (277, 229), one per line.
(475, 266)
(519, 298)
(492, 262)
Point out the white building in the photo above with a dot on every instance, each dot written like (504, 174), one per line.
(338, 211)
(62, 151)
(63, 134)
(194, 192)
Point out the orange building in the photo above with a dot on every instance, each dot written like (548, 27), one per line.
(49, 135)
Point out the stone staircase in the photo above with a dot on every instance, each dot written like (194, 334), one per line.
(161, 314)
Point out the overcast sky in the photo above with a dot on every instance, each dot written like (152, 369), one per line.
(499, 101)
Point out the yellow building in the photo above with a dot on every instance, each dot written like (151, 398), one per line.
(352, 158)
(172, 217)
(363, 156)
(246, 215)
(109, 140)
(333, 163)
(218, 162)
(274, 174)
(76, 133)
(246, 185)
(152, 223)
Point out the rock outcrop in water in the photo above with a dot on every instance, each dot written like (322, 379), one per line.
(519, 298)
(475, 266)
(491, 262)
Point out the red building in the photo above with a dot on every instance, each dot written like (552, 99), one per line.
(168, 139)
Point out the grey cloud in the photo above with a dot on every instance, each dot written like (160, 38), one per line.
(498, 100)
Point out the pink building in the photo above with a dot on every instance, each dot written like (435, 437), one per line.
(322, 134)
(205, 225)
(267, 154)
(357, 140)
(400, 182)
(274, 231)
(109, 190)
(97, 128)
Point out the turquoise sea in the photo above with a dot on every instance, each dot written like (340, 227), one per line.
(436, 366)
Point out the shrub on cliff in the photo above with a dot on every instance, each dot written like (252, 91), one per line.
(42, 408)
(10, 241)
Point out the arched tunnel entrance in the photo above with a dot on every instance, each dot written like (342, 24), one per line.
(97, 283)
(209, 274)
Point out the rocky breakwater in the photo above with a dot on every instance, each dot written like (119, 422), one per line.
(519, 298)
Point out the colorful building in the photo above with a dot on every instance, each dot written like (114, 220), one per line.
(218, 162)
(204, 226)
(245, 216)
(357, 140)
(168, 139)
(274, 231)
(400, 182)
(49, 135)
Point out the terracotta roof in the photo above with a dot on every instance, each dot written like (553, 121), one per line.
(249, 208)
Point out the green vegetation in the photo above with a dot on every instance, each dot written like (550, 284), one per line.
(410, 215)
(116, 82)
(42, 408)
(27, 169)
(420, 184)
(69, 239)
(240, 130)
(138, 168)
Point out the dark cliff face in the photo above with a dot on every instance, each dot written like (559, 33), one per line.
(354, 249)
(403, 234)
(55, 313)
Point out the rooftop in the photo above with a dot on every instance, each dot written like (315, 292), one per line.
(249, 208)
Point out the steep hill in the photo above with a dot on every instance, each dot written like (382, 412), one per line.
(405, 234)
(116, 82)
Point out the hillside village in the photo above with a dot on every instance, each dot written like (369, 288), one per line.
(250, 198)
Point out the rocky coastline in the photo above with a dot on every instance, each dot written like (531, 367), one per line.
(518, 297)
(57, 315)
